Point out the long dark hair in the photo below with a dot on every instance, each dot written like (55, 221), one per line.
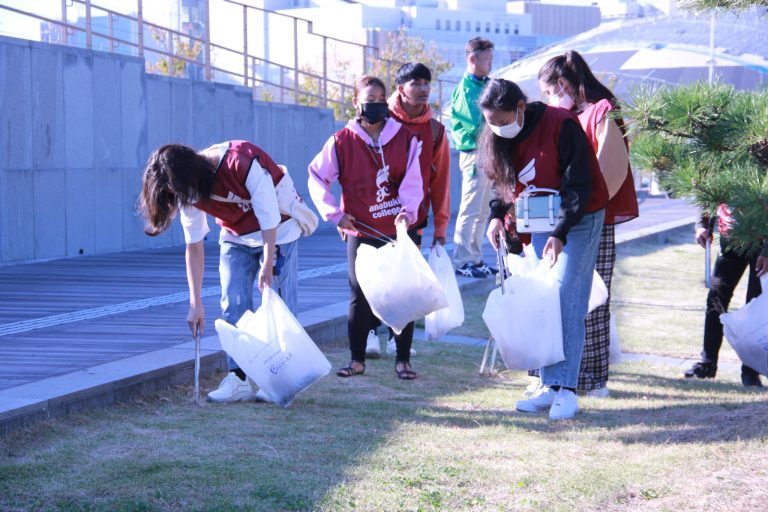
(494, 153)
(175, 176)
(572, 67)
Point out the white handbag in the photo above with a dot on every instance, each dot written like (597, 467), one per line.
(537, 210)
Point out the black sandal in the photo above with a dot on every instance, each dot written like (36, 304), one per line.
(406, 373)
(349, 370)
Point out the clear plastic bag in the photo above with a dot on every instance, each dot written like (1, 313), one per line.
(397, 282)
(273, 349)
(747, 330)
(443, 320)
(525, 320)
(599, 293)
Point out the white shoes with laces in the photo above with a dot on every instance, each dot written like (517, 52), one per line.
(562, 405)
(232, 389)
(565, 405)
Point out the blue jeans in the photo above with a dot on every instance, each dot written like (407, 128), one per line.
(238, 270)
(574, 270)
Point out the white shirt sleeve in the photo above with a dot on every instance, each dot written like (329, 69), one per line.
(263, 196)
(194, 223)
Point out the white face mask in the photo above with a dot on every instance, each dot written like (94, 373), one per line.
(565, 101)
(507, 131)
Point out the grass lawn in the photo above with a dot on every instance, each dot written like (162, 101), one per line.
(450, 440)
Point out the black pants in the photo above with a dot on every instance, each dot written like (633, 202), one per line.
(729, 267)
(360, 318)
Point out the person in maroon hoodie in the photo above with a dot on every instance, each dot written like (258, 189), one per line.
(535, 145)
(409, 105)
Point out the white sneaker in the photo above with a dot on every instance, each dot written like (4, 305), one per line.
(392, 347)
(533, 387)
(565, 406)
(232, 389)
(372, 346)
(542, 399)
(598, 392)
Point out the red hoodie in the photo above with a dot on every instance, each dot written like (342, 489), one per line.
(435, 162)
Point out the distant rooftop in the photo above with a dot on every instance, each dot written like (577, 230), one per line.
(665, 50)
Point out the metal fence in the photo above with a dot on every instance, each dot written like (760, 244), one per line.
(193, 53)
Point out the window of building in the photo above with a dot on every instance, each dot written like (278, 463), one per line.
(458, 26)
(506, 28)
(437, 24)
(447, 24)
(477, 27)
(498, 28)
(488, 27)
(468, 26)
(517, 29)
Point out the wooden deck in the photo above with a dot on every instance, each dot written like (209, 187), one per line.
(61, 316)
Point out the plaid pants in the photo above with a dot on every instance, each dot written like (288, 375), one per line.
(593, 373)
(594, 362)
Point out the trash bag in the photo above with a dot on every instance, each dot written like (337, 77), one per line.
(746, 330)
(443, 320)
(525, 320)
(615, 356)
(273, 349)
(599, 293)
(397, 282)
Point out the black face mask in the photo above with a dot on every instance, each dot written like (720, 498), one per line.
(374, 112)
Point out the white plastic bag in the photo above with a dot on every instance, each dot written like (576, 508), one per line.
(397, 282)
(443, 320)
(273, 349)
(525, 321)
(615, 355)
(599, 293)
(747, 330)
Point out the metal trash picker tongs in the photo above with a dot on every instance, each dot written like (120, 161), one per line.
(196, 392)
(490, 345)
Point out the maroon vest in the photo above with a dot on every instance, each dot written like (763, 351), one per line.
(541, 150)
(622, 206)
(366, 194)
(238, 217)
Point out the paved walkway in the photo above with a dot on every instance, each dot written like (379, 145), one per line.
(86, 331)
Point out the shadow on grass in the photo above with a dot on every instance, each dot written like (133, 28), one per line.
(161, 453)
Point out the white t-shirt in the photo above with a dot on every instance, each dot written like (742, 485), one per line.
(259, 184)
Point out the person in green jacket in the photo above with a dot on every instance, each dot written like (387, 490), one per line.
(466, 125)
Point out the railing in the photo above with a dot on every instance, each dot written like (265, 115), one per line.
(292, 84)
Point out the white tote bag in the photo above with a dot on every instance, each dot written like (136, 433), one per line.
(397, 282)
(273, 349)
(443, 320)
(525, 320)
(746, 330)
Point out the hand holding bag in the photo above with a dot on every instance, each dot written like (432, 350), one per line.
(537, 210)
(397, 282)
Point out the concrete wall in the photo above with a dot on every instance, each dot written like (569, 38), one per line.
(77, 126)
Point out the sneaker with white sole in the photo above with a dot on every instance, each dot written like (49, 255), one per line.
(598, 392)
(539, 401)
(392, 348)
(565, 406)
(372, 345)
(533, 387)
(232, 389)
